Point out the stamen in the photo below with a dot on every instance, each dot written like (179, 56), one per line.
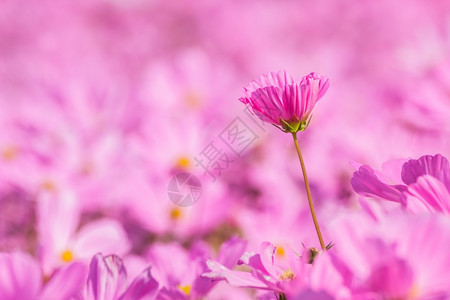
(287, 275)
(186, 289)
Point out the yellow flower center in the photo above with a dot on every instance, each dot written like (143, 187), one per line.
(183, 163)
(280, 251)
(67, 256)
(287, 275)
(193, 99)
(176, 213)
(186, 289)
(48, 185)
(10, 153)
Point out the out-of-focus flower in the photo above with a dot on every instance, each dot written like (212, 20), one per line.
(59, 240)
(285, 272)
(277, 99)
(394, 258)
(21, 278)
(268, 270)
(177, 271)
(424, 184)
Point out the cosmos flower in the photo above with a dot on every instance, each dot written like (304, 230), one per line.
(410, 265)
(421, 185)
(284, 272)
(21, 278)
(275, 98)
(269, 272)
(62, 242)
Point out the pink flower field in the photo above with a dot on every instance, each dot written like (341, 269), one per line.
(216, 150)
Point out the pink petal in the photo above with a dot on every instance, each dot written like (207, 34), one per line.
(106, 236)
(107, 278)
(143, 286)
(366, 183)
(428, 194)
(231, 251)
(234, 278)
(66, 282)
(20, 277)
(393, 280)
(436, 166)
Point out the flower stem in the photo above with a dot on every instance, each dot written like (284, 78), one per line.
(308, 192)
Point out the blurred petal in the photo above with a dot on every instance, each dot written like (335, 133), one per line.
(231, 251)
(428, 194)
(235, 278)
(143, 287)
(106, 236)
(20, 277)
(393, 280)
(66, 282)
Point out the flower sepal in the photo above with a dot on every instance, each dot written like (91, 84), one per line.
(294, 126)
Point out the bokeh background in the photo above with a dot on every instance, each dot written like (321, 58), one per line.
(103, 102)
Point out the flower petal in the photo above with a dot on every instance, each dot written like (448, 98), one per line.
(143, 286)
(437, 166)
(20, 276)
(366, 183)
(107, 278)
(66, 282)
(428, 194)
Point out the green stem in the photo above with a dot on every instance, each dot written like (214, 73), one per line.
(308, 192)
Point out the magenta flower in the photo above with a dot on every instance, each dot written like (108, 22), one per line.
(21, 278)
(268, 271)
(396, 258)
(424, 185)
(61, 242)
(277, 99)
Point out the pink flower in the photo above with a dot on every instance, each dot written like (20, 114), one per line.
(61, 242)
(397, 258)
(268, 271)
(277, 99)
(21, 278)
(424, 185)
(178, 271)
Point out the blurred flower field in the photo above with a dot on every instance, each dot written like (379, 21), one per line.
(129, 169)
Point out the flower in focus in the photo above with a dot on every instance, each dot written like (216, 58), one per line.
(275, 98)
